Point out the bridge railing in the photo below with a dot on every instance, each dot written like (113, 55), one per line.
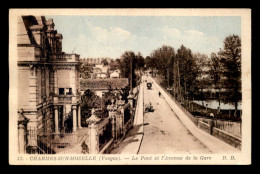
(190, 116)
(222, 131)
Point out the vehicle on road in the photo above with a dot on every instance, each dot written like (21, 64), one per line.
(149, 85)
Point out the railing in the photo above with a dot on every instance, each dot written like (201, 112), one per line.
(127, 114)
(224, 131)
(72, 57)
(65, 99)
(137, 96)
(233, 128)
(104, 132)
(51, 143)
(128, 125)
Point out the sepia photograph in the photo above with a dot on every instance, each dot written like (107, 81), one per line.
(129, 86)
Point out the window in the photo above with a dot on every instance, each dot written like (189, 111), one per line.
(65, 91)
(68, 91)
(61, 91)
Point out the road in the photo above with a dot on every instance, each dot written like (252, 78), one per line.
(163, 131)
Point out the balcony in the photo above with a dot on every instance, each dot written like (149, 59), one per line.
(67, 57)
(64, 99)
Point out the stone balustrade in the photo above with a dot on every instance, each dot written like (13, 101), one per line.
(105, 134)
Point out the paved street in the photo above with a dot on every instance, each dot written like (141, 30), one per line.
(163, 131)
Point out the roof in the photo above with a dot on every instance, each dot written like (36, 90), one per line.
(101, 84)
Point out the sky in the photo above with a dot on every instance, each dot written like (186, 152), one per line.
(111, 36)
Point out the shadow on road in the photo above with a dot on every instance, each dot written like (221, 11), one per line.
(145, 124)
(130, 138)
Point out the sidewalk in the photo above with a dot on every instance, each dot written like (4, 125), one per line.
(131, 144)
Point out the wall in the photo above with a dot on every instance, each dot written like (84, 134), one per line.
(64, 80)
(233, 128)
(228, 138)
(23, 86)
(204, 126)
(28, 53)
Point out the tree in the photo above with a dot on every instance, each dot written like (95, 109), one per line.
(104, 62)
(163, 59)
(231, 59)
(216, 73)
(87, 102)
(139, 61)
(114, 64)
(84, 70)
(202, 68)
(139, 65)
(128, 65)
(150, 63)
(187, 71)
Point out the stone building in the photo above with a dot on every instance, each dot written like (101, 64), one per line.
(48, 79)
(101, 86)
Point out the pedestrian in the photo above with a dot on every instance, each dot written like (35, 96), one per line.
(159, 94)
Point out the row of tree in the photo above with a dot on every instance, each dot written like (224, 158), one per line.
(183, 71)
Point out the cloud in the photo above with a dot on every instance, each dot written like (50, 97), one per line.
(112, 35)
(196, 40)
(99, 41)
(104, 42)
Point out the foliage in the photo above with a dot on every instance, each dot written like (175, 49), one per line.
(89, 101)
(85, 70)
(162, 59)
(216, 70)
(188, 71)
(114, 64)
(104, 62)
(230, 58)
(130, 62)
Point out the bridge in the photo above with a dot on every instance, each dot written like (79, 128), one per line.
(168, 129)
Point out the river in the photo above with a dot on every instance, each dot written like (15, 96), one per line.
(214, 104)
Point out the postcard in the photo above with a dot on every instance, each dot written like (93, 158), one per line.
(129, 86)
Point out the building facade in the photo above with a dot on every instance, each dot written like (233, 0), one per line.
(48, 79)
(101, 86)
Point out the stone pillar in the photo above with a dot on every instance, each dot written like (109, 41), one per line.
(63, 118)
(21, 138)
(73, 80)
(56, 119)
(33, 87)
(112, 116)
(113, 121)
(56, 92)
(93, 139)
(79, 117)
(22, 124)
(122, 119)
(93, 133)
(131, 100)
(74, 114)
